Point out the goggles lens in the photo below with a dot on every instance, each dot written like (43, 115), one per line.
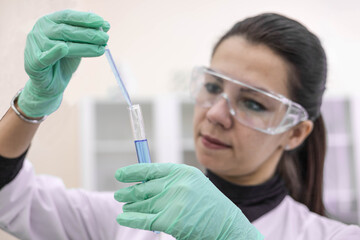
(261, 110)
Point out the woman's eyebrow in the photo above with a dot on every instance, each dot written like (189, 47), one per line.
(251, 91)
(245, 89)
(219, 79)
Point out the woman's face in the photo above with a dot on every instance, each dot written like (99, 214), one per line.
(225, 146)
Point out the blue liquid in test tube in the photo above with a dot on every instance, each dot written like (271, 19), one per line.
(142, 151)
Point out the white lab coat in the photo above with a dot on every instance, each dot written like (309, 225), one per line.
(40, 207)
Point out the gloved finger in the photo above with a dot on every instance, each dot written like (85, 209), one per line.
(54, 54)
(145, 206)
(77, 34)
(76, 18)
(37, 60)
(84, 50)
(143, 172)
(137, 220)
(139, 192)
(106, 26)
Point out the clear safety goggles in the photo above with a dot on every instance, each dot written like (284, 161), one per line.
(264, 111)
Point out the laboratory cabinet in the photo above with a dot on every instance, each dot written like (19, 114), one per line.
(107, 144)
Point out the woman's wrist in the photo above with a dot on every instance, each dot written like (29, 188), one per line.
(21, 114)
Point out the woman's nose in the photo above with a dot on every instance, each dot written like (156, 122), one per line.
(219, 112)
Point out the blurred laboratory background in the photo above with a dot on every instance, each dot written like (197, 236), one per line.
(155, 44)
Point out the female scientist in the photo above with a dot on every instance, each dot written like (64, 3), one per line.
(258, 131)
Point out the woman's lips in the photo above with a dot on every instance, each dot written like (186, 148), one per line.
(213, 143)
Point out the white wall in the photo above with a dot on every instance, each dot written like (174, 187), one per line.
(155, 42)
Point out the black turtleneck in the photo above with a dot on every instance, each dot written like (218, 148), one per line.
(10, 167)
(254, 201)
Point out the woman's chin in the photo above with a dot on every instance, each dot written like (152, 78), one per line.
(210, 163)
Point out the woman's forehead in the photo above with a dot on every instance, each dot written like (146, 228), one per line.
(254, 64)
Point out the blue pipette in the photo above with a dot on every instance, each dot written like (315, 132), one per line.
(117, 75)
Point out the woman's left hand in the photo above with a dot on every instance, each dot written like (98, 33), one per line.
(181, 201)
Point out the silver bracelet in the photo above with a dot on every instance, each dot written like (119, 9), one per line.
(24, 118)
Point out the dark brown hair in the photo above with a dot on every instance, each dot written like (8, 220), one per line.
(301, 168)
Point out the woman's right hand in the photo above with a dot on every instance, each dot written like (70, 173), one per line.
(179, 200)
(54, 48)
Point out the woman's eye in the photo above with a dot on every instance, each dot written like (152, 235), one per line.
(254, 106)
(213, 88)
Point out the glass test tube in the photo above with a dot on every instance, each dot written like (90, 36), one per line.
(138, 129)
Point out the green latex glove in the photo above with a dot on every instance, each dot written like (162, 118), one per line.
(54, 48)
(181, 201)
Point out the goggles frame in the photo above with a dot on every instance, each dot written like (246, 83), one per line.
(295, 113)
